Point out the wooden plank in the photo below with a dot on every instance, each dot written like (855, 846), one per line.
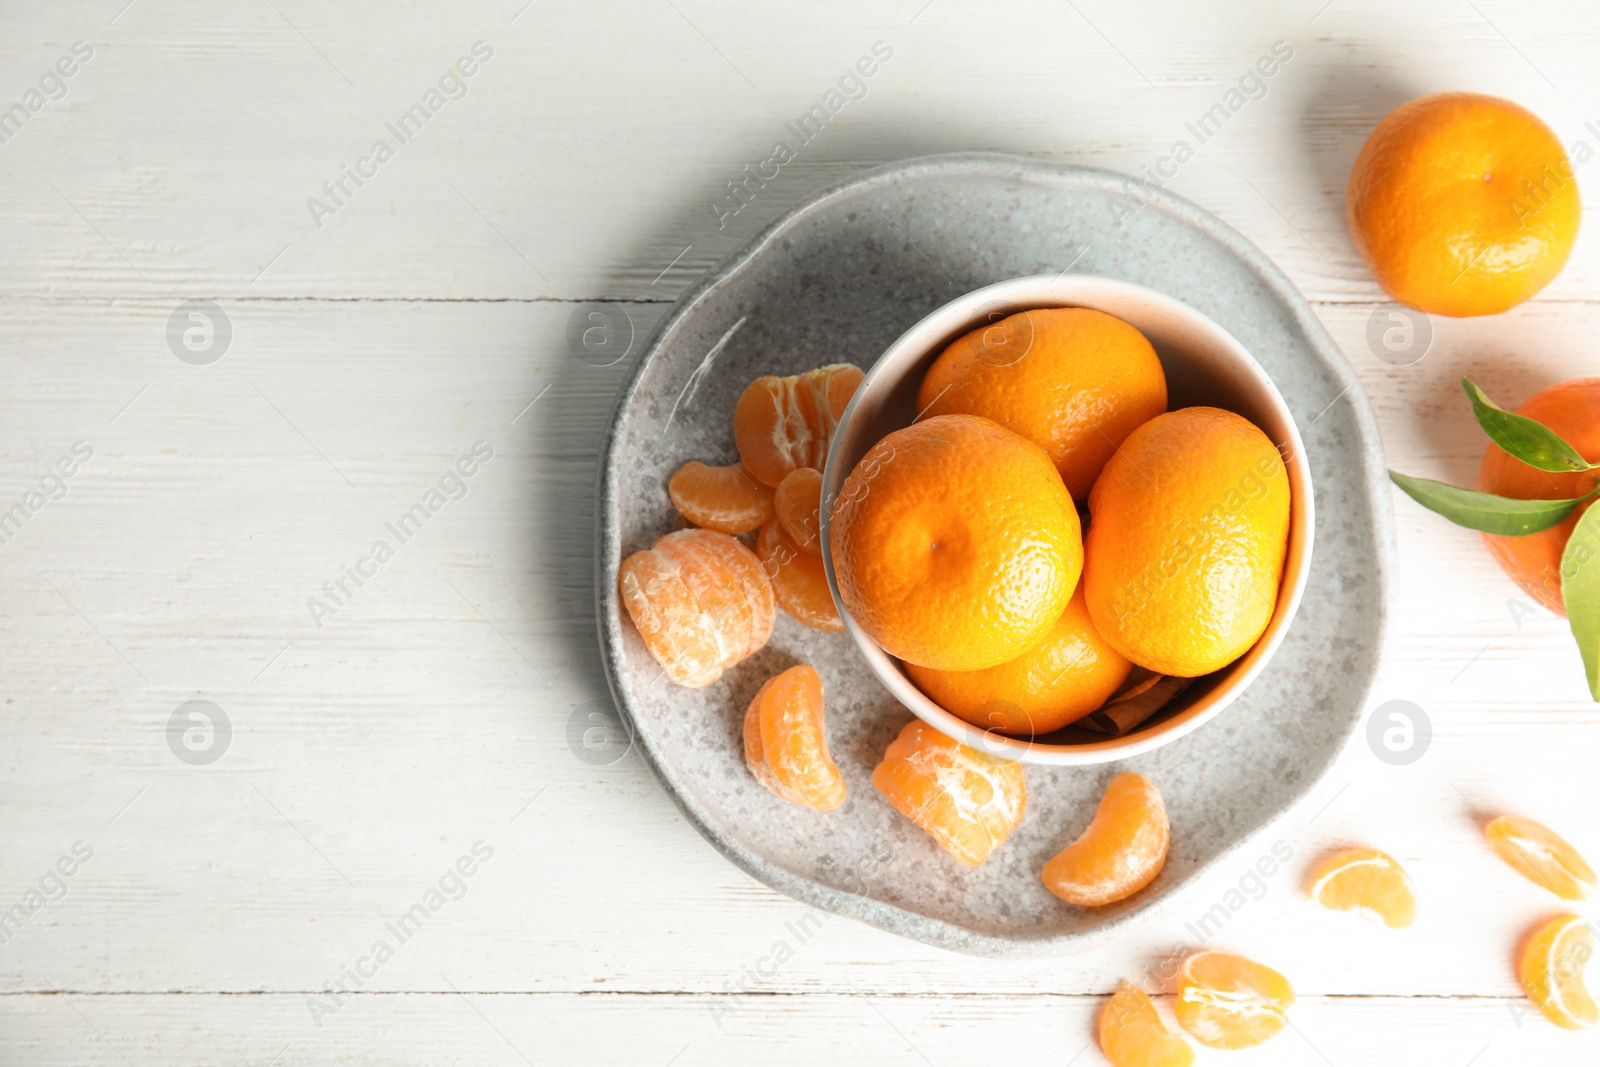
(470, 1027)
(556, 175)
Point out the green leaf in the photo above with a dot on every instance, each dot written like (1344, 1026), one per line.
(1485, 511)
(1521, 437)
(1580, 590)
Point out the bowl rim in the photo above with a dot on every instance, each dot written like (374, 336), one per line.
(1079, 290)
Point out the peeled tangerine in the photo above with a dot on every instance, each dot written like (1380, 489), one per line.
(785, 745)
(1186, 548)
(967, 800)
(1551, 969)
(726, 499)
(1121, 851)
(700, 601)
(1132, 1034)
(798, 579)
(1227, 1001)
(1541, 855)
(783, 424)
(1367, 881)
(1069, 674)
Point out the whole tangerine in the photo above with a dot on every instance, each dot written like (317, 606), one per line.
(1463, 204)
(1572, 410)
(1187, 540)
(1060, 680)
(955, 545)
(1074, 381)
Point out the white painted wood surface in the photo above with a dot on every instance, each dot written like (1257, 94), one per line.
(430, 712)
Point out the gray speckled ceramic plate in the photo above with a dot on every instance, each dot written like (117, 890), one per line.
(837, 279)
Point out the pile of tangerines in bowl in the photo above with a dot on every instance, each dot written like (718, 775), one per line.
(957, 545)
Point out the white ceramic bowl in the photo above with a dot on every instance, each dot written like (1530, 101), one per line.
(1203, 365)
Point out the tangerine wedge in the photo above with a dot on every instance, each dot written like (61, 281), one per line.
(1132, 1034)
(783, 424)
(726, 499)
(1227, 1001)
(798, 501)
(785, 745)
(1122, 850)
(700, 602)
(1367, 881)
(798, 579)
(1541, 855)
(968, 801)
(1551, 968)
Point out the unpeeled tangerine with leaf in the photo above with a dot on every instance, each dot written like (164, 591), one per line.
(1532, 501)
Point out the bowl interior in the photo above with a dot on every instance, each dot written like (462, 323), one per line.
(1203, 365)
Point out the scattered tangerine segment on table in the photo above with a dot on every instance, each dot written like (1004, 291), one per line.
(1366, 881)
(1121, 851)
(1074, 381)
(1230, 1002)
(786, 743)
(798, 503)
(1551, 968)
(968, 801)
(1541, 855)
(1131, 1033)
(1068, 675)
(798, 580)
(1439, 204)
(783, 424)
(726, 499)
(955, 545)
(700, 602)
(1191, 494)
(1533, 561)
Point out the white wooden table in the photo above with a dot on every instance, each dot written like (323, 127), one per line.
(373, 340)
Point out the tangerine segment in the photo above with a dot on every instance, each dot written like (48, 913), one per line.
(726, 499)
(1074, 381)
(1541, 855)
(1227, 1001)
(783, 424)
(1065, 677)
(967, 800)
(700, 602)
(1463, 204)
(785, 745)
(1121, 852)
(1186, 548)
(954, 543)
(1133, 1035)
(798, 580)
(1533, 561)
(1551, 968)
(1367, 881)
(798, 502)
